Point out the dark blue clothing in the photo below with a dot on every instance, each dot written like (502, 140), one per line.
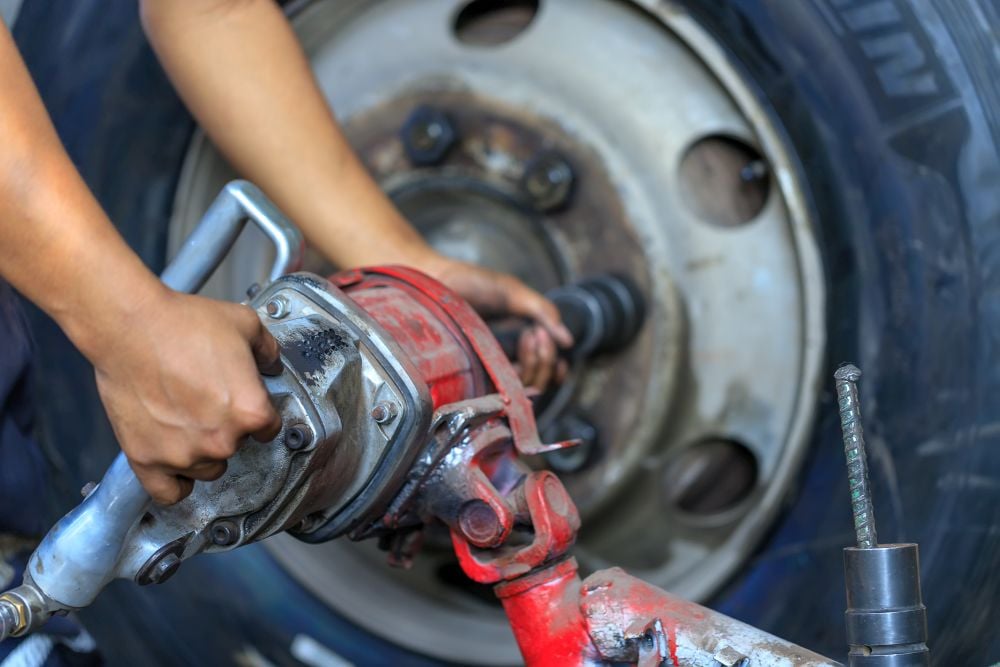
(23, 474)
(23, 485)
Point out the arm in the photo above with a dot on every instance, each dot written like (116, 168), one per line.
(262, 108)
(58, 248)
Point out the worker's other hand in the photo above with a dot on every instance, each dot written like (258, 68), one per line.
(182, 389)
(498, 294)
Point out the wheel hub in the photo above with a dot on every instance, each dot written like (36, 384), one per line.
(475, 222)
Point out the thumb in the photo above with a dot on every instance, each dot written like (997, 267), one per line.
(266, 351)
(526, 302)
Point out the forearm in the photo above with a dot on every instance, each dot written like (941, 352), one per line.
(239, 68)
(57, 246)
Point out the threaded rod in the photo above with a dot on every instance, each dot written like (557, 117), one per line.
(857, 460)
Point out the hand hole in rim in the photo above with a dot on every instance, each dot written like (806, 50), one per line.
(724, 180)
(493, 22)
(710, 477)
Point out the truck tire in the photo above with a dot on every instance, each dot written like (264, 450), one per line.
(893, 110)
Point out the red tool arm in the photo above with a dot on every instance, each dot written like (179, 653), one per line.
(560, 620)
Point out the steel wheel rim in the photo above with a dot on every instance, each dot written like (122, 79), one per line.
(445, 622)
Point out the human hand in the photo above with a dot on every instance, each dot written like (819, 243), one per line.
(182, 389)
(494, 293)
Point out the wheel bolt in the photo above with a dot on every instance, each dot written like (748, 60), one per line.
(428, 134)
(548, 181)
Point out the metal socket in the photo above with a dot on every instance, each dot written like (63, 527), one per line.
(886, 617)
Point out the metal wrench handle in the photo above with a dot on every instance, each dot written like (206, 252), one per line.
(86, 549)
(215, 235)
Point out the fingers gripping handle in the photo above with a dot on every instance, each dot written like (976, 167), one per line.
(91, 545)
(191, 267)
(215, 235)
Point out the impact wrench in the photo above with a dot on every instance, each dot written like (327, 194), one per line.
(399, 408)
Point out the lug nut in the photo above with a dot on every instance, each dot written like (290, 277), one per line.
(428, 134)
(384, 412)
(578, 457)
(276, 307)
(547, 181)
(225, 533)
(297, 437)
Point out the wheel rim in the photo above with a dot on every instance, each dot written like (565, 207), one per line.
(680, 180)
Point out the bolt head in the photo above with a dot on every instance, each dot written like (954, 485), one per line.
(224, 533)
(848, 372)
(427, 135)
(297, 437)
(165, 568)
(480, 524)
(384, 412)
(276, 307)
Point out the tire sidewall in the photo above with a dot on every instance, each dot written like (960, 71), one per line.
(899, 157)
(898, 154)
